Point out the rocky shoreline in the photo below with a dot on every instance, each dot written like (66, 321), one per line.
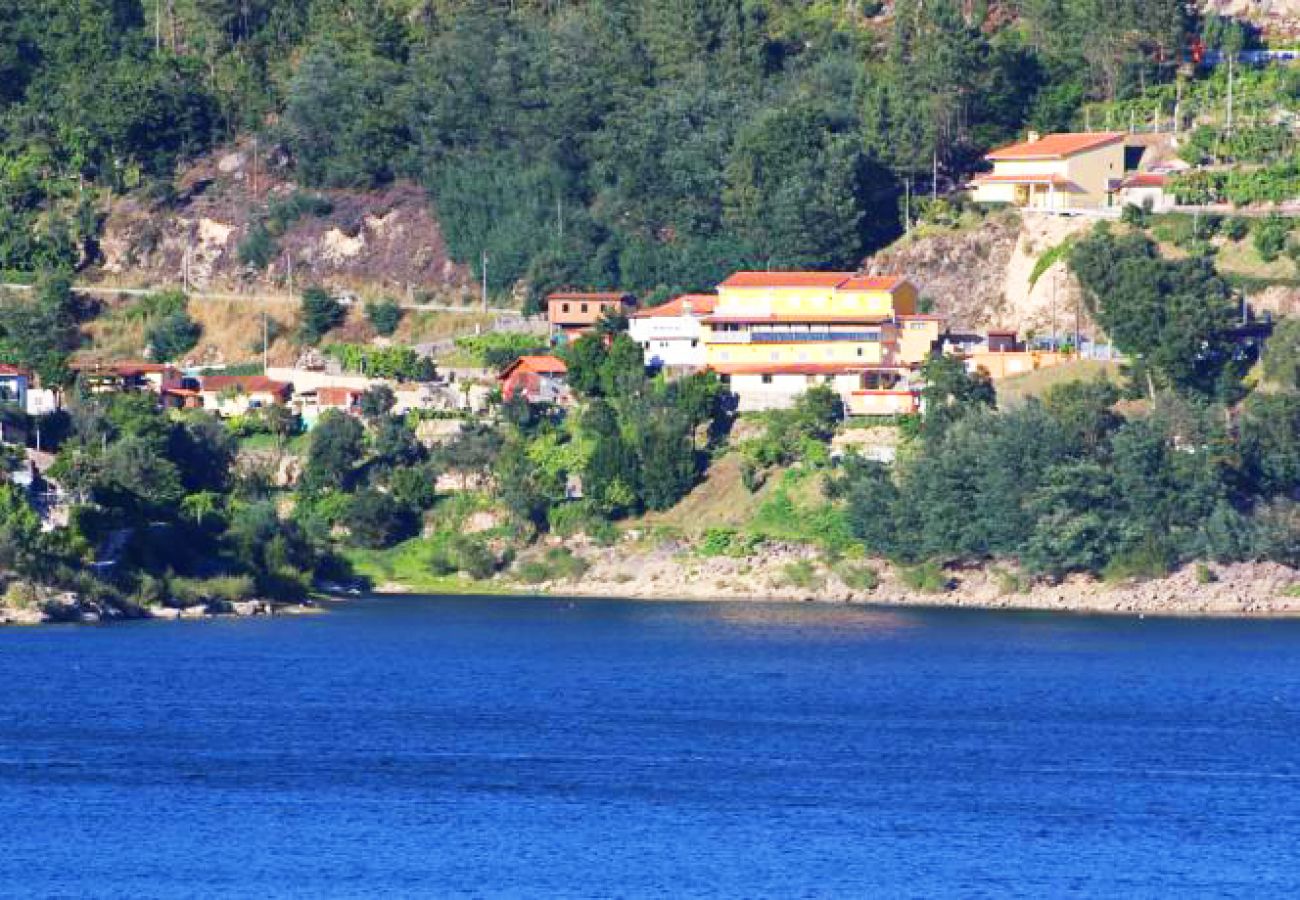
(674, 572)
(69, 608)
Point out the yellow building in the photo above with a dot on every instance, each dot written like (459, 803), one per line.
(1058, 172)
(774, 334)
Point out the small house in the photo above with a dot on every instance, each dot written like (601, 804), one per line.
(233, 395)
(670, 335)
(573, 314)
(1055, 172)
(538, 379)
(14, 383)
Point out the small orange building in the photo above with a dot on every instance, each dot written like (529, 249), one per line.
(572, 314)
(538, 379)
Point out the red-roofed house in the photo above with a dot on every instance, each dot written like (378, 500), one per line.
(670, 335)
(539, 379)
(1056, 172)
(232, 395)
(572, 314)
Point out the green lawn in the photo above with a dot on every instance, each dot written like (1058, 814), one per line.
(408, 564)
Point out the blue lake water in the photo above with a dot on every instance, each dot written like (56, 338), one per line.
(433, 747)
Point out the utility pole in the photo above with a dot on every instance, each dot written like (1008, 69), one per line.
(484, 268)
(907, 204)
(288, 264)
(1230, 56)
(266, 341)
(1087, 119)
(934, 176)
(1055, 342)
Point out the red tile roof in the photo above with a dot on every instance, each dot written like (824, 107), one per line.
(1146, 179)
(701, 304)
(888, 283)
(248, 384)
(606, 296)
(1057, 146)
(336, 396)
(6, 369)
(541, 365)
(786, 279)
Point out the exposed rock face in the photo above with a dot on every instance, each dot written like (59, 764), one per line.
(1276, 18)
(386, 239)
(980, 277)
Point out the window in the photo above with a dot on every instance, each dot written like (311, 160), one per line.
(767, 379)
(773, 356)
(859, 351)
(564, 307)
(584, 307)
(694, 343)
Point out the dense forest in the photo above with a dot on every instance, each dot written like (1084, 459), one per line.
(602, 143)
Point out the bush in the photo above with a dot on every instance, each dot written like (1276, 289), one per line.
(556, 564)
(1269, 237)
(928, 578)
(384, 316)
(222, 589)
(465, 554)
(1010, 582)
(582, 517)
(1147, 561)
(858, 578)
(21, 595)
(320, 313)
(173, 336)
(1235, 228)
(258, 247)
(1205, 575)
(801, 574)
(379, 520)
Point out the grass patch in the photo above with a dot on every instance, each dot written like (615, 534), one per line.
(802, 574)
(555, 564)
(1292, 591)
(423, 565)
(928, 578)
(858, 577)
(1010, 582)
(1019, 388)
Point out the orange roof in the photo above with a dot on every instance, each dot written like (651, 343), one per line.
(336, 396)
(786, 279)
(249, 384)
(541, 365)
(606, 296)
(6, 369)
(889, 283)
(701, 304)
(1146, 179)
(1057, 146)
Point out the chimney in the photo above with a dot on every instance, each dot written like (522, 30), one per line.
(687, 309)
(1033, 136)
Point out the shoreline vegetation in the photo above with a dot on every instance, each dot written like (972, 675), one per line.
(786, 572)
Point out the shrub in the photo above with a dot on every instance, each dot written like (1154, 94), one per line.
(1205, 575)
(582, 517)
(858, 578)
(928, 578)
(556, 564)
(1146, 561)
(1010, 582)
(1235, 228)
(222, 589)
(21, 595)
(1269, 237)
(258, 247)
(173, 336)
(320, 313)
(465, 554)
(384, 316)
(801, 574)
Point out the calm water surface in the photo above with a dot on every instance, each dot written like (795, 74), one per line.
(430, 747)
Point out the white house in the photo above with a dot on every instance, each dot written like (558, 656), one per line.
(670, 334)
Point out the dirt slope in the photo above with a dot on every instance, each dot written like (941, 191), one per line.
(382, 241)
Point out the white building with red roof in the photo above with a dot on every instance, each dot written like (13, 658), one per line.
(670, 335)
(1055, 172)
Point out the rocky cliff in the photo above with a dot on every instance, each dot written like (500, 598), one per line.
(385, 240)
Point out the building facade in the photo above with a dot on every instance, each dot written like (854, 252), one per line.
(538, 379)
(671, 335)
(772, 335)
(1056, 172)
(573, 314)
